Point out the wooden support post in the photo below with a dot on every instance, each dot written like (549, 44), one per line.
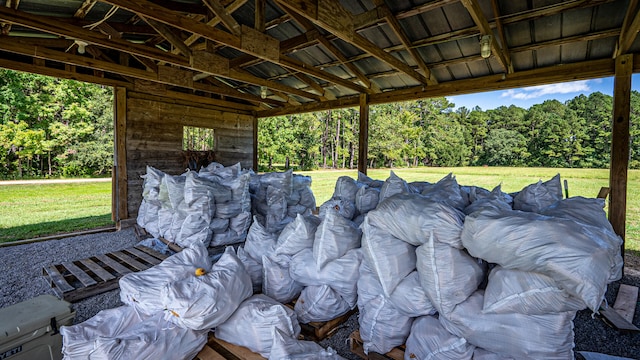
(119, 196)
(363, 143)
(620, 145)
(259, 18)
(255, 144)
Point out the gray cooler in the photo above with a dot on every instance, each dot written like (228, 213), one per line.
(29, 330)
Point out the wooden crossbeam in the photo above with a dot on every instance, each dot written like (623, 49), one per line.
(503, 38)
(169, 35)
(629, 29)
(333, 17)
(84, 9)
(259, 21)
(225, 17)
(397, 29)
(6, 27)
(473, 7)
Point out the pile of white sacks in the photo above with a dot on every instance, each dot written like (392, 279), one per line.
(171, 307)
(210, 207)
(503, 281)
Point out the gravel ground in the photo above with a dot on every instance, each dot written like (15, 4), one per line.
(21, 279)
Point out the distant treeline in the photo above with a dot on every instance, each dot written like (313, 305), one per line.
(576, 134)
(53, 127)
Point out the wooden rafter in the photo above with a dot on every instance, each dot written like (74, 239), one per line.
(333, 17)
(259, 21)
(478, 17)
(216, 20)
(84, 9)
(225, 17)
(48, 25)
(397, 29)
(6, 27)
(348, 64)
(503, 38)
(629, 29)
(170, 35)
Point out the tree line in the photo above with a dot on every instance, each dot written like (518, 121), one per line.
(430, 132)
(54, 127)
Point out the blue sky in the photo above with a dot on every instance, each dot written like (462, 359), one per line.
(528, 96)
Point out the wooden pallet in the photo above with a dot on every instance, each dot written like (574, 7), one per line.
(320, 330)
(217, 349)
(76, 280)
(356, 346)
(620, 316)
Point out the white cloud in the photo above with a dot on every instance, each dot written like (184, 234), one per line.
(533, 92)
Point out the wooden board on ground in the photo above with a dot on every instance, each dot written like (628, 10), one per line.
(613, 318)
(217, 349)
(356, 346)
(626, 301)
(76, 280)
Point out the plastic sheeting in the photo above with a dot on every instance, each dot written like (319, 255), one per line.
(206, 301)
(254, 322)
(334, 237)
(123, 333)
(520, 336)
(581, 259)
(430, 341)
(528, 293)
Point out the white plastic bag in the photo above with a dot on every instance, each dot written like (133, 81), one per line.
(334, 237)
(206, 301)
(142, 289)
(123, 333)
(297, 235)
(276, 280)
(391, 258)
(430, 341)
(367, 199)
(287, 348)
(535, 197)
(526, 292)
(346, 189)
(446, 191)
(346, 208)
(382, 327)
(410, 299)
(253, 267)
(448, 275)
(254, 322)
(520, 336)
(319, 303)
(259, 241)
(392, 186)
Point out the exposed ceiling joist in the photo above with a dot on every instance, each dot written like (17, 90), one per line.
(92, 37)
(225, 17)
(485, 29)
(84, 9)
(170, 35)
(6, 27)
(397, 29)
(331, 16)
(629, 29)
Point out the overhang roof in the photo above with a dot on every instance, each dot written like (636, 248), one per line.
(303, 55)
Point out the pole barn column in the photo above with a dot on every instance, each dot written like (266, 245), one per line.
(120, 177)
(620, 145)
(363, 142)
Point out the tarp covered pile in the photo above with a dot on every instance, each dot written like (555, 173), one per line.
(211, 207)
(425, 279)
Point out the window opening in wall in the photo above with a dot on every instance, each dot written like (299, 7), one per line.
(198, 145)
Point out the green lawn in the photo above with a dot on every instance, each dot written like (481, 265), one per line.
(28, 211)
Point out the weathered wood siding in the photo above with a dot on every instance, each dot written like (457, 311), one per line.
(154, 128)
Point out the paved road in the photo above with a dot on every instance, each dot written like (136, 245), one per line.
(52, 181)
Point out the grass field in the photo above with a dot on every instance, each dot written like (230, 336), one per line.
(28, 211)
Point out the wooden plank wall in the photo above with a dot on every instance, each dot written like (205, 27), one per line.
(154, 128)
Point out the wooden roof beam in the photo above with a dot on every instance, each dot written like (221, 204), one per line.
(629, 29)
(402, 36)
(216, 20)
(84, 9)
(478, 17)
(169, 35)
(6, 27)
(225, 17)
(259, 19)
(503, 38)
(48, 25)
(348, 64)
(333, 17)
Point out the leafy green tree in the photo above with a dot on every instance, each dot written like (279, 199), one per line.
(597, 111)
(504, 147)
